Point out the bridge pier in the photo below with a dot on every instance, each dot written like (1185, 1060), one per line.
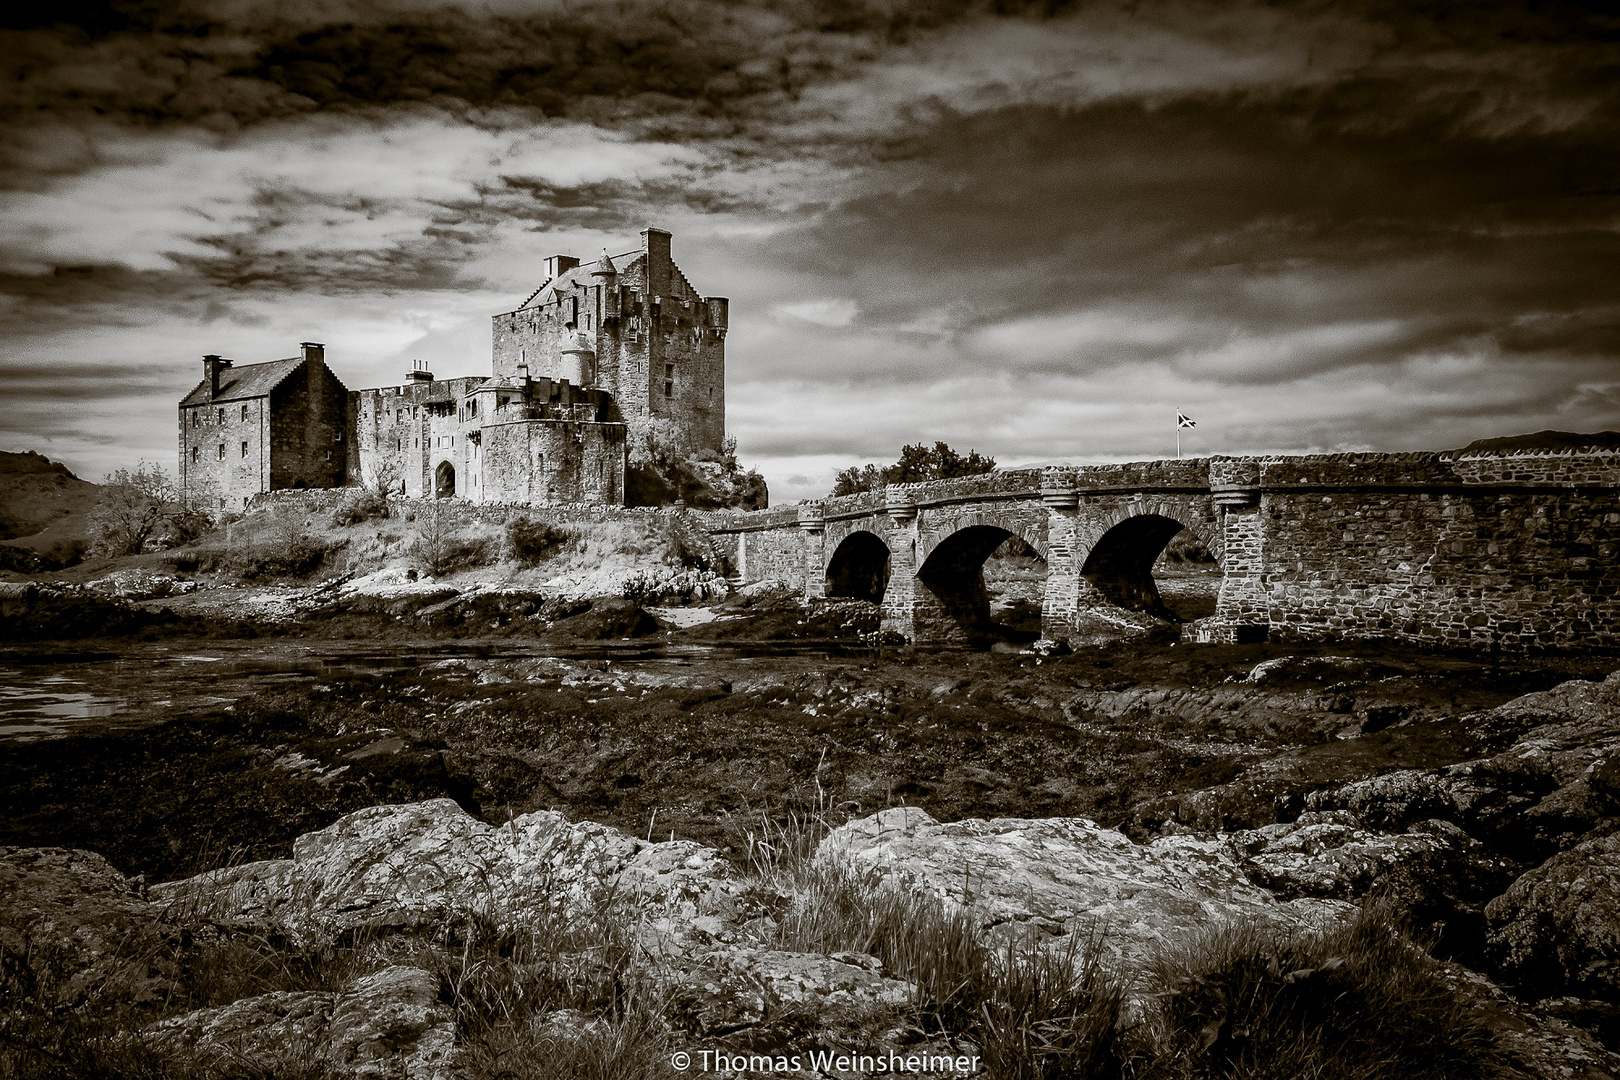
(900, 597)
(1242, 609)
(1060, 601)
(813, 525)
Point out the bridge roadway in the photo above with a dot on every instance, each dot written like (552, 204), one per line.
(1511, 551)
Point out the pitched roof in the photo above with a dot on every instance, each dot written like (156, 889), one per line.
(579, 275)
(247, 381)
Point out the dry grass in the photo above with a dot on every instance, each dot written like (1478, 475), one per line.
(1359, 1001)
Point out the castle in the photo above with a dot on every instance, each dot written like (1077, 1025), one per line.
(599, 360)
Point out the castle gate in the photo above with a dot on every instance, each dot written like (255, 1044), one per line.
(1498, 550)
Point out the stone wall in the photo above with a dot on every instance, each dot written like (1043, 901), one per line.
(308, 422)
(1516, 552)
(224, 453)
(761, 544)
(545, 462)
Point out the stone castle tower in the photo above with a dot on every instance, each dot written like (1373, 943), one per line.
(633, 326)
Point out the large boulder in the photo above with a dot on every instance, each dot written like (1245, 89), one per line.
(69, 924)
(423, 865)
(1557, 928)
(1330, 855)
(1067, 875)
(388, 1025)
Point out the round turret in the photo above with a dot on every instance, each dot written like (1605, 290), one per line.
(579, 362)
(604, 266)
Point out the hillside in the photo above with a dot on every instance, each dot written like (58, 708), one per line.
(43, 506)
(1546, 440)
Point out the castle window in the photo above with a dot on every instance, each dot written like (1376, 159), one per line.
(244, 412)
(669, 389)
(329, 455)
(222, 416)
(244, 448)
(196, 419)
(222, 451)
(196, 453)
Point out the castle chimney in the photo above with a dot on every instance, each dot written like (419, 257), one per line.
(419, 372)
(655, 242)
(212, 366)
(312, 350)
(558, 265)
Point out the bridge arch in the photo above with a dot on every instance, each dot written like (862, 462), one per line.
(1122, 548)
(952, 574)
(859, 567)
(1029, 526)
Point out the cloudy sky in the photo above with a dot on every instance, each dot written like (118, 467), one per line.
(1034, 229)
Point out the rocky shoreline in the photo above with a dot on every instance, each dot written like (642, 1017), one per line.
(354, 844)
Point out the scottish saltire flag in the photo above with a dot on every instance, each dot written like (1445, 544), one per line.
(1183, 420)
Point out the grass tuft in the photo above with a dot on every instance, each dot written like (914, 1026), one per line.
(1358, 1001)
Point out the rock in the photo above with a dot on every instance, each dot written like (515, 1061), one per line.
(1579, 708)
(1557, 928)
(1067, 875)
(742, 987)
(1533, 1042)
(136, 584)
(69, 922)
(1391, 801)
(1328, 855)
(1321, 670)
(386, 1026)
(423, 865)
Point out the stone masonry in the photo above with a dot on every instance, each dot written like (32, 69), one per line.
(625, 349)
(1510, 551)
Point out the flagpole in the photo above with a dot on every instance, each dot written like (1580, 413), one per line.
(1178, 436)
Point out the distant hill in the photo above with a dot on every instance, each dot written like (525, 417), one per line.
(1547, 440)
(44, 508)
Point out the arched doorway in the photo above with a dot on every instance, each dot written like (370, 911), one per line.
(1120, 564)
(444, 481)
(859, 568)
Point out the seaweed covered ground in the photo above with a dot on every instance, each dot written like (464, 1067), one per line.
(770, 708)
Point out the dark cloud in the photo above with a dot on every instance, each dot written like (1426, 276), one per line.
(1017, 226)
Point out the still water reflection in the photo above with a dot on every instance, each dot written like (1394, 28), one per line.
(47, 692)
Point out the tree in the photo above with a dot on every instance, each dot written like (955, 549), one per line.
(917, 462)
(137, 507)
(661, 471)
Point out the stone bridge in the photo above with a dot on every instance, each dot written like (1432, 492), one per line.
(1483, 550)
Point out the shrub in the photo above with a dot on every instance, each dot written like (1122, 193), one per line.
(1359, 1001)
(299, 558)
(441, 545)
(531, 542)
(358, 507)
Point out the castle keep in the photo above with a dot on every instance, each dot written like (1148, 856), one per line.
(597, 360)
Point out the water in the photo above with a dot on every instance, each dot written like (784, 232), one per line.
(49, 693)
